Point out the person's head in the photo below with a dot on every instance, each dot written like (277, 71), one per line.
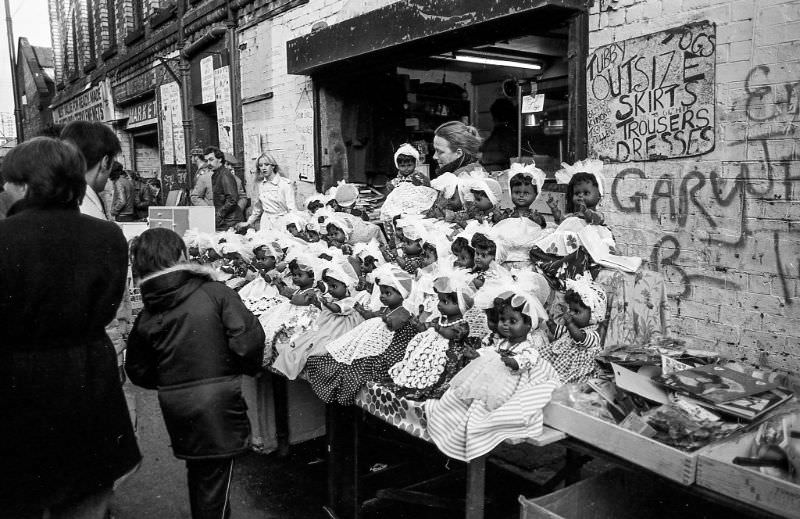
(482, 200)
(46, 172)
(337, 289)
(448, 304)
(155, 250)
(464, 253)
(581, 313)
(523, 190)
(455, 140)
(429, 254)
(485, 251)
(503, 111)
(302, 276)
(155, 185)
(390, 296)
(199, 158)
(512, 324)
(335, 234)
(406, 164)
(412, 247)
(214, 156)
(99, 146)
(582, 189)
(266, 167)
(116, 171)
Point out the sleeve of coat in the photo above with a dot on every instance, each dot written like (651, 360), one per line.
(141, 364)
(198, 194)
(231, 195)
(245, 335)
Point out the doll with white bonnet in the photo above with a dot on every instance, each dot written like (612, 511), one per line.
(367, 351)
(499, 395)
(484, 206)
(336, 300)
(434, 356)
(448, 199)
(575, 344)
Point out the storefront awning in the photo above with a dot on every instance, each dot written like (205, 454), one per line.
(411, 27)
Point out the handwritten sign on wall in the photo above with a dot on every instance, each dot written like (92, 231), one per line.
(652, 97)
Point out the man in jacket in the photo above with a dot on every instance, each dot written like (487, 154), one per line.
(202, 192)
(65, 433)
(226, 194)
(122, 206)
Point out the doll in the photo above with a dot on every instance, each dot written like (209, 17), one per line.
(448, 200)
(485, 206)
(336, 300)
(295, 316)
(410, 192)
(367, 351)
(500, 394)
(463, 252)
(489, 254)
(434, 356)
(406, 158)
(576, 343)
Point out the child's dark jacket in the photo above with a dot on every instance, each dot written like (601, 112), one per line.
(192, 341)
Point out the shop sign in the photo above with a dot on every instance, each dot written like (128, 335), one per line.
(142, 114)
(207, 79)
(173, 145)
(94, 104)
(652, 97)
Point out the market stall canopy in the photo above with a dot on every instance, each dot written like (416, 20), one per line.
(423, 27)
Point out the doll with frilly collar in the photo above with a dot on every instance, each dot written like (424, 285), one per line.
(575, 344)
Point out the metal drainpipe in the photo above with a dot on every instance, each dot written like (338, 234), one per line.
(233, 73)
(185, 93)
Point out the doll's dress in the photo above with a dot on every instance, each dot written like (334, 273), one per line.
(407, 199)
(285, 322)
(259, 296)
(574, 362)
(520, 235)
(425, 357)
(368, 339)
(292, 356)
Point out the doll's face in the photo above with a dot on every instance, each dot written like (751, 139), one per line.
(483, 258)
(523, 195)
(492, 319)
(314, 206)
(367, 265)
(482, 201)
(336, 288)
(412, 247)
(390, 297)
(302, 278)
(465, 259)
(312, 236)
(429, 256)
(448, 304)
(454, 202)
(581, 315)
(336, 234)
(512, 325)
(267, 262)
(585, 193)
(292, 228)
(406, 164)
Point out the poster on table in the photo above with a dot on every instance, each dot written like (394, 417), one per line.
(172, 124)
(222, 88)
(207, 80)
(652, 97)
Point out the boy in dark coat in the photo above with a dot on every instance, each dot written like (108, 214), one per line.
(193, 341)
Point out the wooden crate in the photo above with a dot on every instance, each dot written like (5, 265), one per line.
(715, 471)
(662, 459)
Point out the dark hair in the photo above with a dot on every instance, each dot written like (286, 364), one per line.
(522, 180)
(52, 130)
(481, 241)
(95, 140)
(492, 314)
(313, 205)
(460, 244)
(155, 182)
(154, 250)
(403, 155)
(573, 297)
(53, 170)
(429, 247)
(218, 153)
(476, 191)
(576, 179)
(116, 171)
(501, 304)
(503, 110)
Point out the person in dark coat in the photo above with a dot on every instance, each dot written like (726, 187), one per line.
(225, 190)
(65, 432)
(193, 341)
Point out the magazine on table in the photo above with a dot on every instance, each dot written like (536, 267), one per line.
(715, 384)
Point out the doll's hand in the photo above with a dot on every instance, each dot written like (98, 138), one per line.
(470, 353)
(510, 362)
(538, 218)
(478, 282)
(347, 250)
(567, 318)
(551, 203)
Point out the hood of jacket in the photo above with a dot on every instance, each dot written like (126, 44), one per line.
(168, 288)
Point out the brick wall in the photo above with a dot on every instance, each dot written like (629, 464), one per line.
(283, 125)
(723, 227)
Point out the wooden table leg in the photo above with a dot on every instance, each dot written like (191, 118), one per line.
(476, 487)
(280, 398)
(342, 461)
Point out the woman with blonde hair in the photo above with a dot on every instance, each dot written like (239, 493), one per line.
(274, 194)
(456, 148)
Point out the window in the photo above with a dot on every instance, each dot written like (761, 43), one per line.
(74, 68)
(112, 23)
(91, 38)
(138, 14)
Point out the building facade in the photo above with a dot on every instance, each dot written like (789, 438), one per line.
(35, 75)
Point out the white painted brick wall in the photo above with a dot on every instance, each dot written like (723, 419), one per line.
(740, 297)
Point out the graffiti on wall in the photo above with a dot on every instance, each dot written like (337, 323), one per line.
(652, 97)
(701, 202)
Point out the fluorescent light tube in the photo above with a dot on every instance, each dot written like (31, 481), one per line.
(499, 62)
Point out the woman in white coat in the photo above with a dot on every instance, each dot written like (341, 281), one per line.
(274, 194)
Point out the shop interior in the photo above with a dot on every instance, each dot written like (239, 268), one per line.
(368, 115)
